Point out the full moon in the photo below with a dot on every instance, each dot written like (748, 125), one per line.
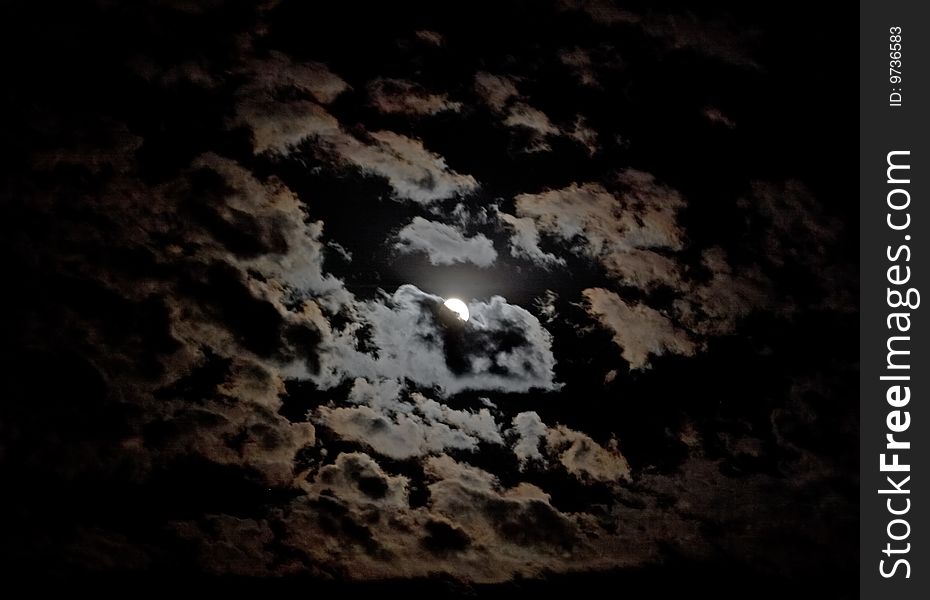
(458, 307)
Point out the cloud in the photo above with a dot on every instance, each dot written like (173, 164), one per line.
(279, 127)
(267, 225)
(716, 306)
(445, 245)
(496, 91)
(584, 135)
(397, 96)
(587, 213)
(521, 516)
(355, 477)
(702, 487)
(340, 250)
(644, 216)
(278, 72)
(203, 317)
(717, 38)
(790, 230)
(430, 37)
(356, 516)
(545, 306)
(530, 431)
(405, 428)
(718, 117)
(411, 335)
(501, 347)
(382, 394)
(578, 453)
(501, 95)
(580, 62)
(622, 232)
(524, 241)
(635, 235)
(796, 228)
(465, 216)
(639, 330)
(604, 12)
(586, 459)
(280, 124)
(414, 172)
(247, 433)
(535, 122)
(479, 424)
(404, 436)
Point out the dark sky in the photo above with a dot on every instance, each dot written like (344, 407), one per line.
(228, 229)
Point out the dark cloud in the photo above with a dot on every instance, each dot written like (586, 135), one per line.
(404, 97)
(495, 90)
(718, 38)
(443, 536)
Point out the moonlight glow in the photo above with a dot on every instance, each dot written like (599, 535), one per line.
(458, 307)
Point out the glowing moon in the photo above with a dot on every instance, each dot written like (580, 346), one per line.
(458, 307)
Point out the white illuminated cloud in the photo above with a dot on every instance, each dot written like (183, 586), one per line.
(444, 244)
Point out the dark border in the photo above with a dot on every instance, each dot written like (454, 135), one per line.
(883, 128)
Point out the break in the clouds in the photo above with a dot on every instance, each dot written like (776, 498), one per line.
(444, 244)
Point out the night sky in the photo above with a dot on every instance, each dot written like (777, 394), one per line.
(228, 229)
